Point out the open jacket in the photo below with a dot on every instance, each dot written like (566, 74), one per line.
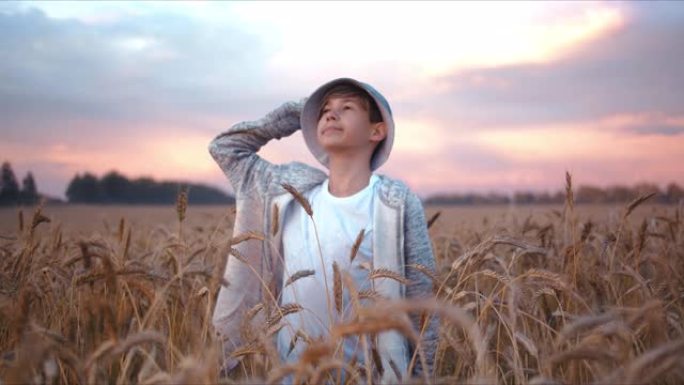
(400, 233)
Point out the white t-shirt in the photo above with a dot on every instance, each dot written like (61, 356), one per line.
(338, 222)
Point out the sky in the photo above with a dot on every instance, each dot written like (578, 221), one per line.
(486, 97)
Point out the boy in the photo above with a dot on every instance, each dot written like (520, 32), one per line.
(348, 127)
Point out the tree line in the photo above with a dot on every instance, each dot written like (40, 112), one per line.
(11, 193)
(112, 188)
(115, 188)
(672, 194)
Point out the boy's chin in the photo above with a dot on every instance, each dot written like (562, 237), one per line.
(335, 144)
(343, 151)
(330, 145)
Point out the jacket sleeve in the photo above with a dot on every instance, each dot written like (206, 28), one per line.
(418, 251)
(235, 150)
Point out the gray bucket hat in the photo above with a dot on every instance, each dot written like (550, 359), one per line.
(310, 113)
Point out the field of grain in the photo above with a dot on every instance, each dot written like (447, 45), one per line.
(526, 294)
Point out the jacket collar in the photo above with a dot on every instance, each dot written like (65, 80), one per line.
(304, 177)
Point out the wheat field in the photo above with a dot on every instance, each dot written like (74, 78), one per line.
(529, 294)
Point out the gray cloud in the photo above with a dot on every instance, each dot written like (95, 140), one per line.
(61, 70)
(55, 72)
(668, 130)
(638, 69)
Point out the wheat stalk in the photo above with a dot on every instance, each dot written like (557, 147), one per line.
(283, 311)
(21, 221)
(356, 245)
(120, 230)
(252, 312)
(386, 273)
(182, 203)
(426, 271)
(299, 198)
(369, 294)
(37, 219)
(377, 361)
(299, 334)
(569, 196)
(298, 275)
(247, 350)
(327, 365)
(249, 235)
(636, 202)
(433, 219)
(337, 287)
(618, 321)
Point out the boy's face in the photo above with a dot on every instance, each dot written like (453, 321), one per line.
(345, 126)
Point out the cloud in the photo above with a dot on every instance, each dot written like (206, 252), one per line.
(142, 87)
(536, 157)
(659, 130)
(610, 111)
(157, 67)
(142, 92)
(634, 69)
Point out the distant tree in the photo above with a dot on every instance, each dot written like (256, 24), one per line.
(198, 193)
(84, 189)
(497, 198)
(590, 194)
(143, 189)
(620, 194)
(524, 197)
(674, 193)
(558, 197)
(116, 188)
(648, 188)
(544, 197)
(9, 188)
(29, 192)
(73, 191)
(584, 194)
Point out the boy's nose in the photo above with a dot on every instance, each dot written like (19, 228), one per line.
(331, 115)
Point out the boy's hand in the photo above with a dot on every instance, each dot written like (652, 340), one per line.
(296, 107)
(300, 103)
(291, 109)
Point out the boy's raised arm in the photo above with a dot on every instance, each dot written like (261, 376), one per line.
(235, 150)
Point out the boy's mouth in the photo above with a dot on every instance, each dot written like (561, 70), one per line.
(330, 129)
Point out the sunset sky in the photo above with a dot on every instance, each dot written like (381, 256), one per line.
(486, 96)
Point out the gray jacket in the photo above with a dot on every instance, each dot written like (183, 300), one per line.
(400, 233)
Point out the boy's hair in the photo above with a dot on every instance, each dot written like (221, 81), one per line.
(349, 90)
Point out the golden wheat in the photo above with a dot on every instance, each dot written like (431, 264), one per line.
(356, 245)
(551, 298)
(299, 275)
(299, 198)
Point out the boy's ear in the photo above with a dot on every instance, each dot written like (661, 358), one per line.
(378, 132)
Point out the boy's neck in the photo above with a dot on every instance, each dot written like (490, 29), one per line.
(347, 176)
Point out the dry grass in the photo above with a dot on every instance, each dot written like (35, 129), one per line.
(555, 296)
